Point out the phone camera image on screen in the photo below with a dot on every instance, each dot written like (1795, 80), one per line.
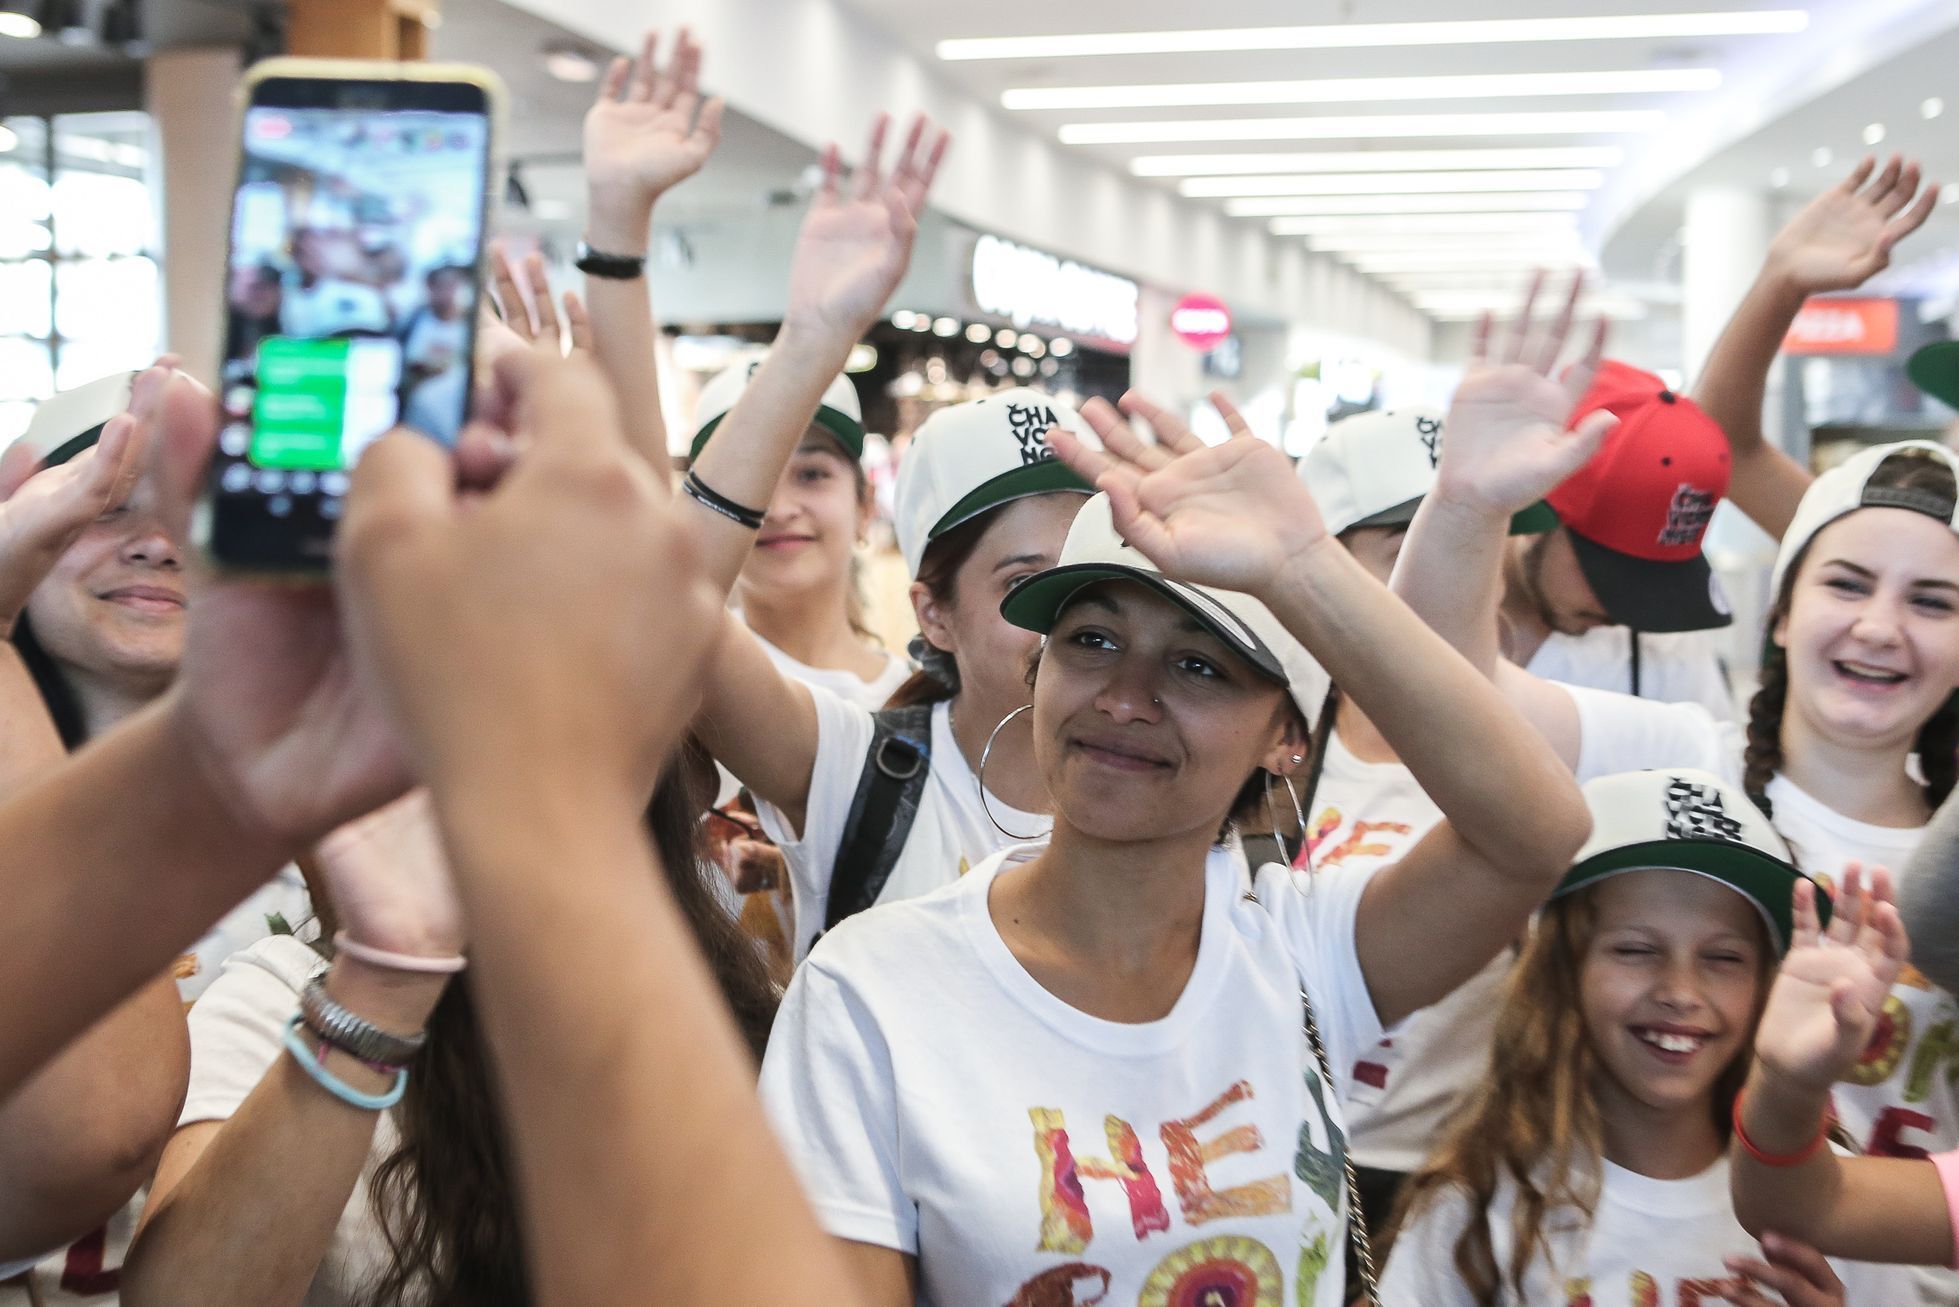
(351, 300)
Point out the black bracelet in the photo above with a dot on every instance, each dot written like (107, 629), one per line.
(698, 490)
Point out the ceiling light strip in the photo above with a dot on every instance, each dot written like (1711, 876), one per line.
(1364, 126)
(1548, 201)
(1279, 162)
(1352, 90)
(1411, 183)
(1350, 36)
(1419, 224)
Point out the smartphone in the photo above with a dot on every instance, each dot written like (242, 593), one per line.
(357, 232)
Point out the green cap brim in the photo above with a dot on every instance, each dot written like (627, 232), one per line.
(1764, 880)
(1935, 370)
(1036, 603)
(1535, 520)
(849, 433)
(1047, 477)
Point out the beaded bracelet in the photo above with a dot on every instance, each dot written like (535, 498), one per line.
(1796, 1158)
(311, 1061)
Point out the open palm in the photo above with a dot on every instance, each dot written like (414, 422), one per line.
(1844, 237)
(649, 129)
(853, 249)
(46, 509)
(1507, 442)
(1831, 988)
(1228, 515)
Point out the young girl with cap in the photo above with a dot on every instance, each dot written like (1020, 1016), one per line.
(1850, 742)
(798, 590)
(1591, 1167)
(1119, 983)
(1827, 1005)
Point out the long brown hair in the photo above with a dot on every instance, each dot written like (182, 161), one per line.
(1535, 1122)
(1937, 744)
(937, 677)
(446, 1196)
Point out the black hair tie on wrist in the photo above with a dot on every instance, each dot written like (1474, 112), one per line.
(698, 490)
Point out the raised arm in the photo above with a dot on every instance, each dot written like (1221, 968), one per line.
(83, 1133)
(853, 249)
(1820, 1017)
(649, 130)
(1505, 446)
(1231, 516)
(585, 972)
(126, 852)
(243, 1209)
(1838, 242)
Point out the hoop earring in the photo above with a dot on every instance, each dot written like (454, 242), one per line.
(1298, 812)
(986, 753)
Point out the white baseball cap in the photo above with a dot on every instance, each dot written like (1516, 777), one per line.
(1688, 820)
(65, 424)
(968, 458)
(1372, 469)
(1095, 552)
(840, 414)
(1847, 488)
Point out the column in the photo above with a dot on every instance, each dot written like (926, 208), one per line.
(360, 29)
(193, 167)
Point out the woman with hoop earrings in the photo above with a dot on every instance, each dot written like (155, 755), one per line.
(1104, 1068)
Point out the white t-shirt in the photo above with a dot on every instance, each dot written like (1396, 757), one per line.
(846, 685)
(1366, 816)
(1651, 1243)
(951, 832)
(89, 1270)
(1678, 668)
(1618, 733)
(936, 1099)
(330, 306)
(237, 1032)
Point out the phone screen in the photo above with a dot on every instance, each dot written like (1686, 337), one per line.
(356, 239)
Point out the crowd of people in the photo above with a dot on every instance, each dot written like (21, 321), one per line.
(1255, 885)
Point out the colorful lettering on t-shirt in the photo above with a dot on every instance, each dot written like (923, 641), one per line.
(1578, 1292)
(1358, 843)
(1887, 1135)
(1692, 1293)
(1644, 1290)
(1313, 1256)
(1188, 1157)
(1323, 1169)
(1887, 1046)
(1063, 1287)
(1065, 1223)
(1935, 1054)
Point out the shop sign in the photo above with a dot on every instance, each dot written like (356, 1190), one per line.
(1844, 326)
(1201, 321)
(1031, 288)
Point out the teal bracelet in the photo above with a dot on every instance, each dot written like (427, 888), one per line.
(333, 1084)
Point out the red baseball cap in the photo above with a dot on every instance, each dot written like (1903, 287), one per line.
(1637, 511)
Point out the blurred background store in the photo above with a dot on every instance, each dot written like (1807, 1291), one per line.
(1303, 204)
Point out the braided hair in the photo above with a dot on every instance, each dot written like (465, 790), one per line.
(1937, 744)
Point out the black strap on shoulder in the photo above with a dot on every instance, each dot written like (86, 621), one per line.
(1634, 637)
(882, 810)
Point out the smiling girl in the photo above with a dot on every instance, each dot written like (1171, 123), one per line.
(1590, 1169)
(1078, 1073)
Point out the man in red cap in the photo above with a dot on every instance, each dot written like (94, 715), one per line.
(1613, 591)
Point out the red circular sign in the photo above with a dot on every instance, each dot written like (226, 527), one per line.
(1201, 321)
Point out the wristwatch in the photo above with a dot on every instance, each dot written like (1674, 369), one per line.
(623, 267)
(352, 1034)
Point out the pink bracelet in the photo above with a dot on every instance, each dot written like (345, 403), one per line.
(378, 957)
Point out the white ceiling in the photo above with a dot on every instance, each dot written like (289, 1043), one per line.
(1740, 60)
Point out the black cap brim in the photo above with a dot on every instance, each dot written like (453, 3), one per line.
(1657, 597)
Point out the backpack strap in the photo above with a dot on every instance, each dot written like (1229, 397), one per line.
(882, 810)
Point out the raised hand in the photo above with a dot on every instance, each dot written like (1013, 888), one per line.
(390, 881)
(1229, 515)
(43, 510)
(1844, 236)
(580, 538)
(649, 129)
(854, 248)
(1832, 985)
(1801, 1276)
(1505, 441)
(528, 313)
